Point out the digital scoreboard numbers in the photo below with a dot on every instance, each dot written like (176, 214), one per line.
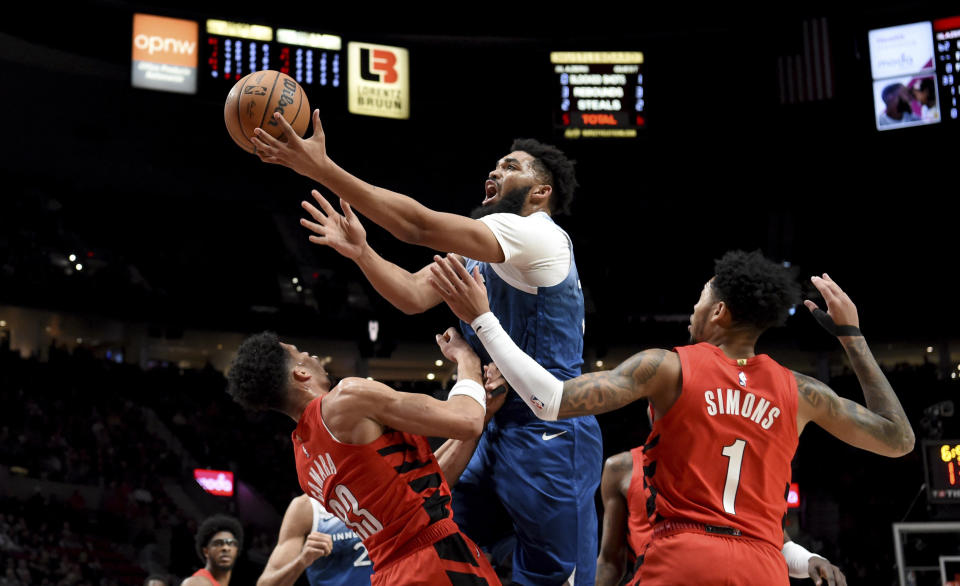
(599, 93)
(947, 38)
(234, 50)
(942, 462)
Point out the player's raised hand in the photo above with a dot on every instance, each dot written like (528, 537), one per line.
(464, 293)
(454, 347)
(823, 571)
(840, 309)
(341, 232)
(317, 545)
(305, 156)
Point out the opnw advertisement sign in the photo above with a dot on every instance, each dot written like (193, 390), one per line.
(165, 53)
(379, 80)
(217, 482)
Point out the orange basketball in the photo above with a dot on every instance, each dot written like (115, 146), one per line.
(253, 100)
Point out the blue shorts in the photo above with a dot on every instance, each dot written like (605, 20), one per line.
(545, 475)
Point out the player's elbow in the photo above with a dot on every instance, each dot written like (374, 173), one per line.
(907, 442)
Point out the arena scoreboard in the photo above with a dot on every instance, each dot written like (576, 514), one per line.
(599, 93)
(233, 50)
(941, 462)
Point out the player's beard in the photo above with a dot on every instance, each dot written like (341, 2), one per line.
(511, 203)
(224, 566)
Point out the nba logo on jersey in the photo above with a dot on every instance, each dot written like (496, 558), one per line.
(537, 402)
(307, 454)
(743, 379)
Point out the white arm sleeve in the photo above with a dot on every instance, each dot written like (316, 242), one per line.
(797, 558)
(539, 389)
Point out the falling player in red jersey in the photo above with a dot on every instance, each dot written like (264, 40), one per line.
(360, 450)
(726, 422)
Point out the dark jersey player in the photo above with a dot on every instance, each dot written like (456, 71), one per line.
(360, 450)
(532, 477)
(314, 541)
(726, 420)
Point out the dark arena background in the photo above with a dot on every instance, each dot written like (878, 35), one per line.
(139, 245)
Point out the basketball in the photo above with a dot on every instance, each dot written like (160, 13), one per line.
(253, 100)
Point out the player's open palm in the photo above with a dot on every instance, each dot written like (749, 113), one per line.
(839, 305)
(341, 232)
(305, 156)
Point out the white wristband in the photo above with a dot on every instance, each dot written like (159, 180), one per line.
(798, 559)
(539, 389)
(472, 389)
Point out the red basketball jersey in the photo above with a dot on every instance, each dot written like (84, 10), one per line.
(390, 492)
(721, 454)
(639, 528)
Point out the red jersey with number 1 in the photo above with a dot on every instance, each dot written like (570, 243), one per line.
(721, 454)
(390, 492)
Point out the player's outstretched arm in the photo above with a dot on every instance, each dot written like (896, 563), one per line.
(612, 561)
(882, 426)
(459, 417)
(297, 545)
(408, 292)
(651, 373)
(402, 216)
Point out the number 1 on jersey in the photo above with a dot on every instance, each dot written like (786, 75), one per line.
(735, 452)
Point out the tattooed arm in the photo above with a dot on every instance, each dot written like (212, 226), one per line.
(880, 427)
(651, 373)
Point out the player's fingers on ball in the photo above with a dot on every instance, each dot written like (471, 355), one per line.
(265, 139)
(284, 124)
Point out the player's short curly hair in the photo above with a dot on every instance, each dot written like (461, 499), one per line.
(213, 525)
(259, 374)
(555, 169)
(758, 291)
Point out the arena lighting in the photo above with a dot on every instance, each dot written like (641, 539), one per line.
(295, 280)
(436, 362)
(793, 497)
(299, 288)
(3, 323)
(72, 257)
(599, 363)
(216, 482)
(79, 267)
(929, 349)
(431, 376)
